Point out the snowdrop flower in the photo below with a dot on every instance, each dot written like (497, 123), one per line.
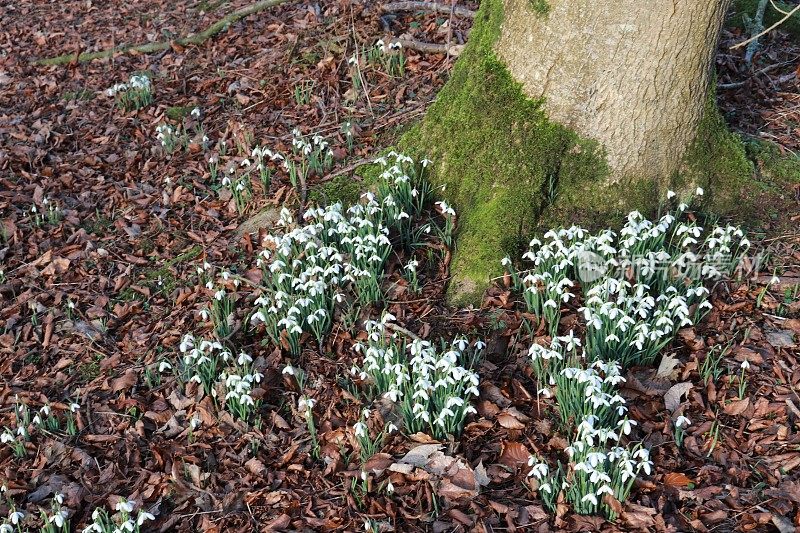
(626, 425)
(682, 422)
(591, 498)
(125, 505)
(58, 518)
(360, 429)
(305, 404)
(670, 195)
(699, 191)
(143, 516)
(196, 112)
(745, 365)
(288, 370)
(605, 489)
(163, 366)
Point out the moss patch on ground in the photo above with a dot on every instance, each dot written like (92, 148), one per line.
(345, 189)
(774, 191)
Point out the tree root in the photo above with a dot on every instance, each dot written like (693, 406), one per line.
(148, 48)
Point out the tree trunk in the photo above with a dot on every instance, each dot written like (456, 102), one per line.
(629, 75)
(573, 111)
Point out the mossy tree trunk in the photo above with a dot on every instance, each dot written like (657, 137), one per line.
(565, 111)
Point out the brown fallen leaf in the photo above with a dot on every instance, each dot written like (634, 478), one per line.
(514, 454)
(737, 407)
(378, 463)
(676, 479)
(672, 398)
(509, 421)
(126, 381)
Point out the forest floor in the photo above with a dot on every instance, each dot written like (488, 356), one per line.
(97, 291)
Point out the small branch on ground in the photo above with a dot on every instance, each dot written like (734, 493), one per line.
(426, 6)
(148, 48)
(450, 25)
(737, 84)
(401, 329)
(758, 27)
(756, 37)
(432, 48)
(348, 168)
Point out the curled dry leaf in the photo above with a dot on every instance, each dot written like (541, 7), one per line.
(514, 454)
(672, 398)
(509, 421)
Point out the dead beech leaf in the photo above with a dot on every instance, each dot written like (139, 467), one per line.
(125, 382)
(638, 517)
(378, 463)
(509, 421)
(255, 467)
(613, 503)
(514, 454)
(737, 407)
(667, 368)
(419, 455)
(672, 398)
(676, 479)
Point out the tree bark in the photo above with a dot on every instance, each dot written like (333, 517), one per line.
(575, 111)
(629, 75)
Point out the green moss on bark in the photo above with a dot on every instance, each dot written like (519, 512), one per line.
(717, 161)
(498, 156)
(510, 172)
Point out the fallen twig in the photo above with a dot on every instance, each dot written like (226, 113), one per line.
(758, 26)
(426, 6)
(404, 331)
(737, 84)
(148, 48)
(432, 48)
(755, 37)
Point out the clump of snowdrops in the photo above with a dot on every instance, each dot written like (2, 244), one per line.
(27, 422)
(170, 137)
(122, 520)
(390, 56)
(135, 94)
(336, 255)
(309, 155)
(639, 286)
(210, 364)
(431, 388)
